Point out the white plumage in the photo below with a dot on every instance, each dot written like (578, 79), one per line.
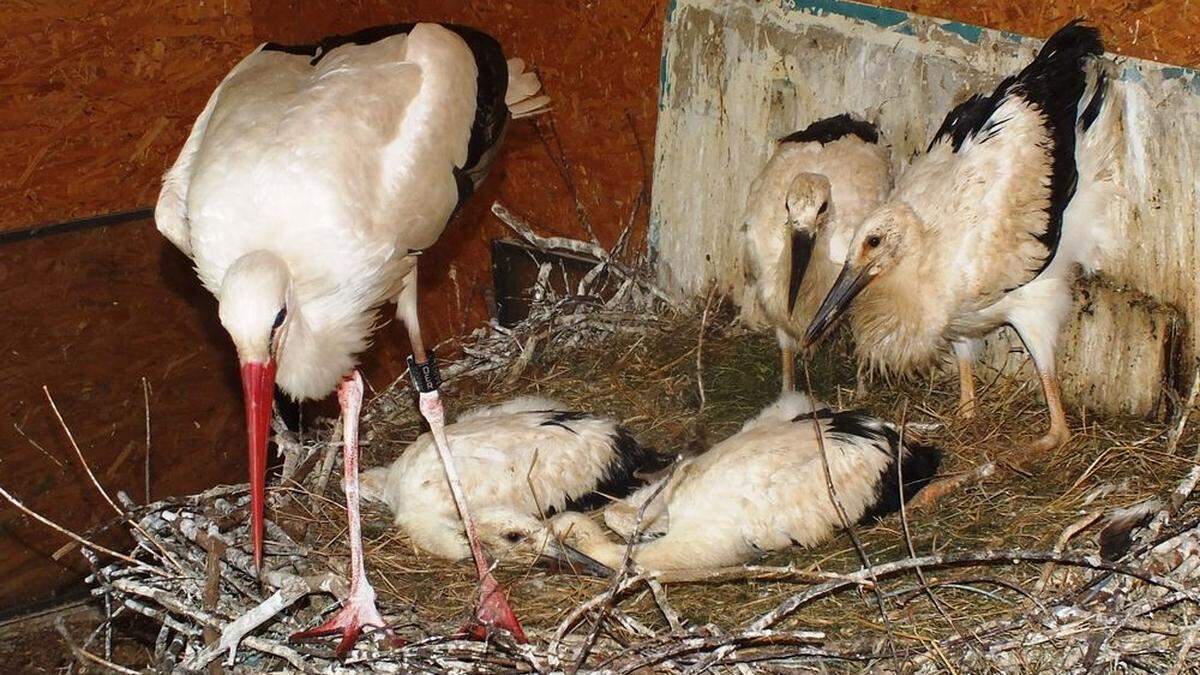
(990, 225)
(763, 489)
(309, 185)
(519, 461)
(800, 213)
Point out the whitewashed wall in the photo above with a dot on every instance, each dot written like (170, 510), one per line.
(738, 75)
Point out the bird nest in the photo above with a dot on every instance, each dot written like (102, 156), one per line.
(1002, 573)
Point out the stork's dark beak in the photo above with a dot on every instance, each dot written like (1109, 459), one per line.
(848, 285)
(258, 385)
(802, 245)
(564, 559)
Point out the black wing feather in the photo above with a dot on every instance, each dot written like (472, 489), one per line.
(831, 129)
(1054, 82)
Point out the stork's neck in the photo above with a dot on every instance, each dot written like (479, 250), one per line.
(315, 359)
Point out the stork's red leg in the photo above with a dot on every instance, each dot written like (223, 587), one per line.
(358, 610)
(492, 609)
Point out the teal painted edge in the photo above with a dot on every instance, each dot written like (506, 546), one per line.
(897, 20)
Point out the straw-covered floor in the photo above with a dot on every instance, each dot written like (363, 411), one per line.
(961, 584)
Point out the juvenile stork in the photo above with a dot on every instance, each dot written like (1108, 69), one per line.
(989, 226)
(308, 187)
(520, 462)
(762, 489)
(800, 214)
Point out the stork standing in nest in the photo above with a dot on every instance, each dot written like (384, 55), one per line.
(520, 462)
(763, 489)
(308, 187)
(990, 225)
(800, 214)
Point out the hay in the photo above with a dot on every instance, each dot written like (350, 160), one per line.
(953, 591)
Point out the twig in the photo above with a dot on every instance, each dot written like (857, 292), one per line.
(79, 454)
(84, 655)
(986, 557)
(845, 520)
(146, 400)
(908, 543)
(1185, 412)
(591, 250)
(618, 577)
(700, 348)
(78, 539)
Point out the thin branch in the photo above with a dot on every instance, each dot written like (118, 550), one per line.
(79, 454)
(78, 539)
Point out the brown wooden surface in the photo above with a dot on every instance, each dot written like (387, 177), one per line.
(88, 315)
(95, 97)
(1159, 30)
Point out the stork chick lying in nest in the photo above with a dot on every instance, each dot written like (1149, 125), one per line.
(519, 461)
(763, 489)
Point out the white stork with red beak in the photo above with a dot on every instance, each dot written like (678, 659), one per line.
(990, 226)
(308, 187)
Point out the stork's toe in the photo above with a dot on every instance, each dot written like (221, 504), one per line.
(356, 614)
(493, 612)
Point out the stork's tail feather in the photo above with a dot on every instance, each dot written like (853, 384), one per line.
(523, 96)
(1117, 534)
(1091, 215)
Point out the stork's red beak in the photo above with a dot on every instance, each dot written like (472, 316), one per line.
(258, 387)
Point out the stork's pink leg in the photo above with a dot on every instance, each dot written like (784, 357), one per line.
(492, 610)
(358, 610)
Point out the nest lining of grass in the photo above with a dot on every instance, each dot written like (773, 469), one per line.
(641, 361)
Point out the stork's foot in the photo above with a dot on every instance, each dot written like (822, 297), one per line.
(357, 612)
(493, 612)
(1053, 439)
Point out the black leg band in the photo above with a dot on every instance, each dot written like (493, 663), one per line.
(425, 376)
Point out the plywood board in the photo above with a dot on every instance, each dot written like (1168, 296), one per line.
(736, 76)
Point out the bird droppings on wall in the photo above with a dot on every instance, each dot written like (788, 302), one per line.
(738, 76)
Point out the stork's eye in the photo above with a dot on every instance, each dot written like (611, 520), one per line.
(823, 209)
(873, 240)
(513, 537)
(279, 319)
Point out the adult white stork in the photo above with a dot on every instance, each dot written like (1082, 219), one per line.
(801, 211)
(520, 462)
(763, 489)
(989, 226)
(308, 187)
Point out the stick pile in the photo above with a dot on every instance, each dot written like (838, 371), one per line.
(191, 573)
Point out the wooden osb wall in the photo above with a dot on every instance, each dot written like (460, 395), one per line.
(1159, 30)
(96, 97)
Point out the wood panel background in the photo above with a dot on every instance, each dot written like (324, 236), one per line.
(97, 95)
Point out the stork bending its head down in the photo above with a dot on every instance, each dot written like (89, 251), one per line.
(762, 489)
(800, 213)
(308, 186)
(520, 461)
(988, 227)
